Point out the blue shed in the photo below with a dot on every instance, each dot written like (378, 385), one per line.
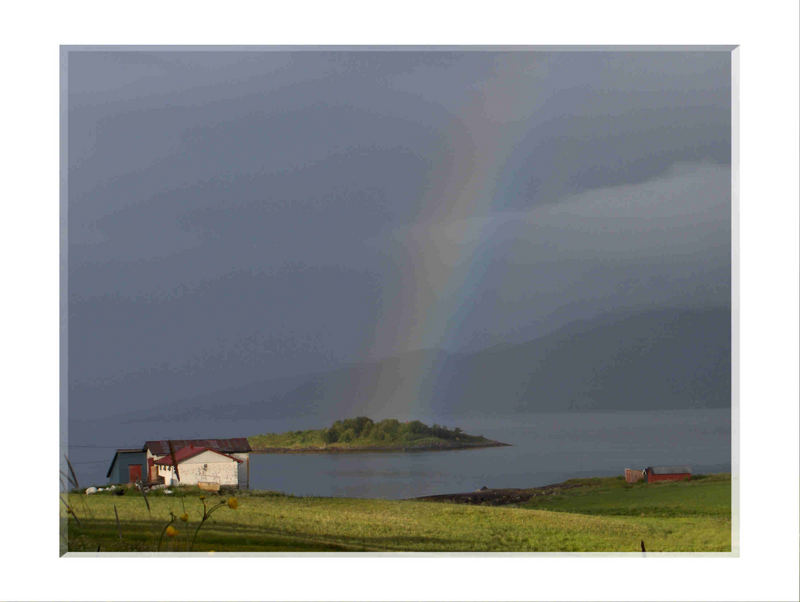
(128, 466)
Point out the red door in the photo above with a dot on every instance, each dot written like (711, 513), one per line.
(134, 473)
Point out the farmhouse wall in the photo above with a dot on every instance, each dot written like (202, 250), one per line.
(211, 467)
(168, 474)
(217, 472)
(241, 471)
(244, 469)
(633, 476)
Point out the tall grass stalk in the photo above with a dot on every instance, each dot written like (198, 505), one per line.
(119, 529)
(72, 472)
(172, 518)
(177, 473)
(232, 503)
(70, 510)
(73, 479)
(140, 486)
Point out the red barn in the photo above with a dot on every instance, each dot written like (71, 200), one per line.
(667, 473)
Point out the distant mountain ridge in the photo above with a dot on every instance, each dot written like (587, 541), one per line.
(664, 359)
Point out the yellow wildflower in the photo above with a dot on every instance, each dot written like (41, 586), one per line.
(171, 531)
(233, 503)
(184, 517)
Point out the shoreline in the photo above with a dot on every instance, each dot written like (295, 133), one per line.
(501, 496)
(373, 449)
(504, 496)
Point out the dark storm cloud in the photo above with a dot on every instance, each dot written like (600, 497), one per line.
(236, 215)
(661, 242)
(585, 120)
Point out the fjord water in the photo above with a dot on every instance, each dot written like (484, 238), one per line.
(545, 448)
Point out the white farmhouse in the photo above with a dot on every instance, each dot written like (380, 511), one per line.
(199, 464)
(155, 451)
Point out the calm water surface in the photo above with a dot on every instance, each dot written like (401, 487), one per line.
(546, 448)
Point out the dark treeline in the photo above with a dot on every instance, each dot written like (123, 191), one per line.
(391, 429)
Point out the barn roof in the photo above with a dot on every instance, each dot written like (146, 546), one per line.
(122, 451)
(189, 452)
(234, 445)
(670, 469)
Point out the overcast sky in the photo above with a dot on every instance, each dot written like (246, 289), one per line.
(239, 215)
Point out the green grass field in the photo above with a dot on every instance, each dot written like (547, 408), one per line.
(597, 515)
(703, 496)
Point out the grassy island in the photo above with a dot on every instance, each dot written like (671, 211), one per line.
(363, 434)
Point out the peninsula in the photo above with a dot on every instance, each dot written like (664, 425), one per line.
(362, 434)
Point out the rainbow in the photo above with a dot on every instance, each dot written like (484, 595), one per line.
(440, 272)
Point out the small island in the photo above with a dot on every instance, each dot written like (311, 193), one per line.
(362, 434)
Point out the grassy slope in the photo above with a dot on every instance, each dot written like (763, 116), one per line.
(709, 495)
(352, 435)
(691, 516)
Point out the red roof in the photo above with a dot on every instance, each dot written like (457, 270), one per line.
(228, 446)
(189, 452)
